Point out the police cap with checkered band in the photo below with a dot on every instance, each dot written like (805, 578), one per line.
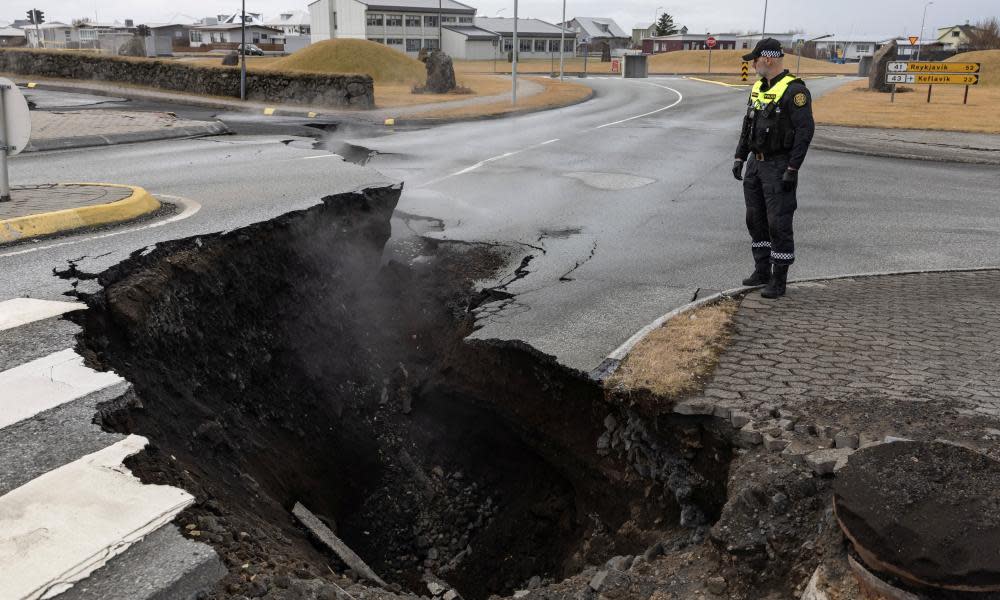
(766, 47)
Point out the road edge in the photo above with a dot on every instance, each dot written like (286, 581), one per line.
(514, 113)
(88, 141)
(613, 360)
(138, 203)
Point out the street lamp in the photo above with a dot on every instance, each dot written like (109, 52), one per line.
(656, 17)
(920, 41)
(243, 52)
(513, 66)
(763, 27)
(798, 62)
(562, 42)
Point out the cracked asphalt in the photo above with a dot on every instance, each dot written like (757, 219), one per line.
(625, 204)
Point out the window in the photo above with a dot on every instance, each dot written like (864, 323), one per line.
(178, 33)
(449, 19)
(216, 37)
(524, 45)
(394, 20)
(954, 34)
(394, 41)
(465, 20)
(377, 39)
(862, 47)
(553, 45)
(540, 45)
(569, 46)
(375, 20)
(430, 43)
(430, 21)
(508, 44)
(413, 21)
(88, 35)
(413, 45)
(69, 35)
(195, 36)
(334, 19)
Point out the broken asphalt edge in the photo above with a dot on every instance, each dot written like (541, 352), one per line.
(139, 203)
(611, 363)
(88, 141)
(416, 120)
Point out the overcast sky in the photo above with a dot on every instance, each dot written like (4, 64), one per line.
(840, 17)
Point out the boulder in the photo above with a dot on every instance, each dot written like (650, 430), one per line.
(876, 78)
(134, 47)
(440, 72)
(231, 60)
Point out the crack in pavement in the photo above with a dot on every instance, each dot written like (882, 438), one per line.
(565, 276)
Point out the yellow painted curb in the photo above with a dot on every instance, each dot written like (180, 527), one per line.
(735, 85)
(136, 205)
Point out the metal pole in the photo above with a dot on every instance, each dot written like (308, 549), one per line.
(562, 43)
(966, 100)
(929, 88)
(892, 98)
(38, 34)
(763, 27)
(515, 48)
(709, 61)
(798, 61)
(4, 182)
(920, 40)
(243, 52)
(586, 55)
(440, 41)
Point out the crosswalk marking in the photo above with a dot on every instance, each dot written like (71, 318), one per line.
(47, 382)
(58, 528)
(21, 311)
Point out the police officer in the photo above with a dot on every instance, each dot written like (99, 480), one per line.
(776, 133)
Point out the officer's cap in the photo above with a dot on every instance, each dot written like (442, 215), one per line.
(766, 47)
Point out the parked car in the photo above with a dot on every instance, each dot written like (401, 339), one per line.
(252, 50)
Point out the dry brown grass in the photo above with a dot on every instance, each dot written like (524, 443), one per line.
(381, 62)
(854, 105)
(392, 95)
(990, 61)
(556, 94)
(676, 359)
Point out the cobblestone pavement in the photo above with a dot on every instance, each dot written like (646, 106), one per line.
(97, 122)
(30, 200)
(915, 356)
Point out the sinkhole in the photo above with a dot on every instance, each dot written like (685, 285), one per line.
(302, 360)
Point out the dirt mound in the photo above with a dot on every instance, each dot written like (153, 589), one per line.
(382, 63)
(728, 61)
(990, 60)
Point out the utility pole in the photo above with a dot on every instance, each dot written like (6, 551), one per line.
(440, 41)
(656, 18)
(562, 43)
(513, 65)
(4, 182)
(243, 52)
(920, 40)
(763, 27)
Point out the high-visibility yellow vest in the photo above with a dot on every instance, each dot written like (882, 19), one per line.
(759, 99)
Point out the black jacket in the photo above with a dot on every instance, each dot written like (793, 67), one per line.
(796, 110)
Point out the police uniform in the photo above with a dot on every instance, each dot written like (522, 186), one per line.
(776, 133)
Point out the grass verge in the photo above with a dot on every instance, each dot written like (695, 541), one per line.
(678, 358)
(555, 95)
(854, 105)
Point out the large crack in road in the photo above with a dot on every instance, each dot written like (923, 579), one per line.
(288, 362)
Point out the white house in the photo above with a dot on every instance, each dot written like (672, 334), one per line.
(468, 42)
(535, 38)
(850, 49)
(231, 33)
(83, 34)
(405, 25)
(598, 33)
(11, 36)
(748, 41)
(295, 26)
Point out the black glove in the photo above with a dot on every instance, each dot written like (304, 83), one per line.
(789, 180)
(738, 169)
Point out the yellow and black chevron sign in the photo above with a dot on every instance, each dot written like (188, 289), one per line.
(744, 71)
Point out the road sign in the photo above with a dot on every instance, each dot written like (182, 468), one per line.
(913, 40)
(15, 129)
(933, 78)
(744, 70)
(616, 65)
(710, 42)
(932, 67)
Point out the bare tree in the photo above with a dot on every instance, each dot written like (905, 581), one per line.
(985, 35)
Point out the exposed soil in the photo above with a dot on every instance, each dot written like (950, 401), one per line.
(288, 362)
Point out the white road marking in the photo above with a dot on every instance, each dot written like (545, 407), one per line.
(321, 156)
(191, 207)
(21, 311)
(45, 383)
(680, 98)
(63, 525)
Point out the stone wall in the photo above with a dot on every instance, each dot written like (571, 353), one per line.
(297, 88)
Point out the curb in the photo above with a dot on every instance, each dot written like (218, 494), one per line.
(515, 113)
(968, 160)
(611, 363)
(139, 203)
(88, 141)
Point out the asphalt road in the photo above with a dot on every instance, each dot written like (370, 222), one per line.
(625, 202)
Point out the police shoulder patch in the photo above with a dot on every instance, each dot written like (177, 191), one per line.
(800, 99)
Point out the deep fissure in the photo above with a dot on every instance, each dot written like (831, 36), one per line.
(289, 362)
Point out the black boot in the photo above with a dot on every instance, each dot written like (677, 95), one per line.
(776, 287)
(760, 276)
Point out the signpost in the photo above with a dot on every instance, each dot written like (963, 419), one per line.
(710, 42)
(15, 129)
(931, 74)
(744, 71)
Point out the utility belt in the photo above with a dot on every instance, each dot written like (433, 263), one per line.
(769, 156)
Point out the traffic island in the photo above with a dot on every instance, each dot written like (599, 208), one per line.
(43, 210)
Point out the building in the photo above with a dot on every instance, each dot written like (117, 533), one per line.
(11, 37)
(641, 32)
(82, 35)
(295, 27)
(227, 36)
(535, 38)
(170, 37)
(596, 34)
(848, 49)
(687, 41)
(955, 38)
(469, 42)
(928, 49)
(748, 41)
(406, 25)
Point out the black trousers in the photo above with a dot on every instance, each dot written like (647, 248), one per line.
(769, 212)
